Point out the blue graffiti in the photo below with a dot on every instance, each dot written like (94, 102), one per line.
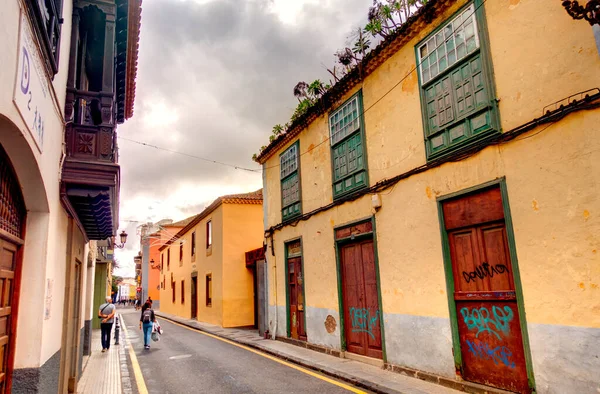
(362, 321)
(499, 354)
(482, 320)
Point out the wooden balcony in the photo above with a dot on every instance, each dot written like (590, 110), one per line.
(91, 174)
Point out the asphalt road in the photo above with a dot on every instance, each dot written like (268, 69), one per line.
(187, 361)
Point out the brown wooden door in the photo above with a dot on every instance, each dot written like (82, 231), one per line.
(8, 262)
(194, 296)
(296, 292)
(484, 292)
(360, 299)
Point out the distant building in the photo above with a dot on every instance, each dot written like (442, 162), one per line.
(152, 237)
(437, 212)
(203, 269)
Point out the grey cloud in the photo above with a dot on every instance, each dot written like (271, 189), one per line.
(228, 68)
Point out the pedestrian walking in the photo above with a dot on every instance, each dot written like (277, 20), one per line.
(147, 320)
(106, 313)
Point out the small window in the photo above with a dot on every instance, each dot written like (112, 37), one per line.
(208, 234)
(182, 292)
(209, 290)
(457, 99)
(289, 161)
(162, 261)
(180, 252)
(193, 248)
(348, 147)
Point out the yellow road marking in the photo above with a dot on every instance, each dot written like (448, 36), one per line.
(277, 360)
(137, 371)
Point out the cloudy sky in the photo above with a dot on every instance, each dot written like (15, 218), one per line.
(214, 76)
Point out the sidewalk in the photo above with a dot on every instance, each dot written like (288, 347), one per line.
(102, 373)
(359, 374)
(107, 373)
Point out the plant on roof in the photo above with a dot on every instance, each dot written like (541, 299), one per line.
(385, 17)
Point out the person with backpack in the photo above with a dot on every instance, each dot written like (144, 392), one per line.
(106, 313)
(146, 323)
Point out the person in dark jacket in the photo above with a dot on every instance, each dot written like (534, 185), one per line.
(146, 322)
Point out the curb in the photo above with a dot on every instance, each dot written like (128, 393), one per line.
(126, 386)
(365, 384)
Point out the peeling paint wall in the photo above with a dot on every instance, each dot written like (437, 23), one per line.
(552, 176)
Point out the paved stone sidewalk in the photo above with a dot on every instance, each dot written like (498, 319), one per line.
(102, 374)
(107, 373)
(359, 374)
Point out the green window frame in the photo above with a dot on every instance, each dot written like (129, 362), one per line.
(455, 75)
(348, 153)
(291, 191)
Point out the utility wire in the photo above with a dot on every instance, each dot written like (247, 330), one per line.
(390, 90)
(313, 147)
(189, 155)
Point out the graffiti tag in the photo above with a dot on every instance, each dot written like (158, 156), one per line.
(499, 354)
(484, 270)
(482, 320)
(362, 321)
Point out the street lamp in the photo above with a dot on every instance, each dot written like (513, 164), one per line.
(156, 267)
(123, 237)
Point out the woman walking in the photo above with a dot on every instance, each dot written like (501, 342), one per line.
(147, 319)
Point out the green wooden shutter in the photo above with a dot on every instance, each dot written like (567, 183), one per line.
(349, 165)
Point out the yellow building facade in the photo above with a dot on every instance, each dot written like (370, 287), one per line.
(450, 226)
(203, 269)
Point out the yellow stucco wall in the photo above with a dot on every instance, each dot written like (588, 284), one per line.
(243, 232)
(552, 178)
(236, 229)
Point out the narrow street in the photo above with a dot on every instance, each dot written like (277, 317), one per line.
(188, 361)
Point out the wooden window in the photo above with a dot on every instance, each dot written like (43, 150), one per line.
(456, 94)
(48, 21)
(346, 132)
(182, 292)
(168, 258)
(289, 163)
(208, 234)
(180, 253)
(209, 290)
(162, 262)
(193, 248)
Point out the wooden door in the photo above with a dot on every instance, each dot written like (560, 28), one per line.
(296, 293)
(362, 328)
(484, 292)
(8, 266)
(194, 296)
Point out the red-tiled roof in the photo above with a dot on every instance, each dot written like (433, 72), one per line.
(255, 197)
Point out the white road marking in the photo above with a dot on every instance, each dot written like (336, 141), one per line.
(180, 356)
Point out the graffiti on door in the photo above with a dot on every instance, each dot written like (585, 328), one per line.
(363, 321)
(499, 354)
(481, 319)
(484, 270)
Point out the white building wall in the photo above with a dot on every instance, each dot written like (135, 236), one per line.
(40, 320)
